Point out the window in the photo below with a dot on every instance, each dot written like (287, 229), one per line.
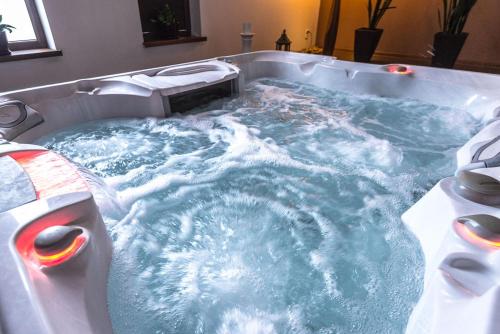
(165, 19)
(23, 15)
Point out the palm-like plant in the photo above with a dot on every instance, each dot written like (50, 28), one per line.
(5, 27)
(454, 16)
(377, 11)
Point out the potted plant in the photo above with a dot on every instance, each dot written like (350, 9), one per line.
(448, 43)
(366, 39)
(166, 24)
(4, 43)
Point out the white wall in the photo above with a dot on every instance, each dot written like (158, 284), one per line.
(100, 37)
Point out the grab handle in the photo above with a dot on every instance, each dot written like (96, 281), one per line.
(477, 162)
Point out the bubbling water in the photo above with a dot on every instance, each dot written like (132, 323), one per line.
(274, 212)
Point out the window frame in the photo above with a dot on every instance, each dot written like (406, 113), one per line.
(41, 40)
(187, 17)
(144, 14)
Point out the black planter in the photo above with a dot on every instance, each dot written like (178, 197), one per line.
(4, 44)
(447, 48)
(365, 43)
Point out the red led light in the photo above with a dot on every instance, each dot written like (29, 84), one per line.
(62, 256)
(50, 173)
(399, 69)
(25, 241)
(470, 236)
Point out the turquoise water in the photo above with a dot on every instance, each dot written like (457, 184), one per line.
(274, 212)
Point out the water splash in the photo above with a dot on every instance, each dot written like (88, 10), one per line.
(277, 213)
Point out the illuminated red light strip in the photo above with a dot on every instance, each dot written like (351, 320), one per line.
(50, 173)
(473, 238)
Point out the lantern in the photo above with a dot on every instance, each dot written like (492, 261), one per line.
(283, 42)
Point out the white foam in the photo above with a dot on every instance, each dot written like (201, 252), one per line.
(237, 322)
(157, 184)
(186, 227)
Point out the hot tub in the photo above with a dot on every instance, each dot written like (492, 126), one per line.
(272, 205)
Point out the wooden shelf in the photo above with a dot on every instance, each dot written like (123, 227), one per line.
(30, 54)
(180, 40)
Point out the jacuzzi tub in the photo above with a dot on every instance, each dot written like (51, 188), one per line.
(57, 277)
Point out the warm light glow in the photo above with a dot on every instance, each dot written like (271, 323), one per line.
(468, 235)
(62, 256)
(50, 173)
(25, 241)
(399, 69)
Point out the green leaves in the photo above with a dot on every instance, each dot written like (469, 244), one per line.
(166, 17)
(455, 14)
(5, 27)
(452, 18)
(375, 13)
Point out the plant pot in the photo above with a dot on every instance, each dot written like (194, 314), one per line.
(447, 48)
(4, 44)
(365, 43)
